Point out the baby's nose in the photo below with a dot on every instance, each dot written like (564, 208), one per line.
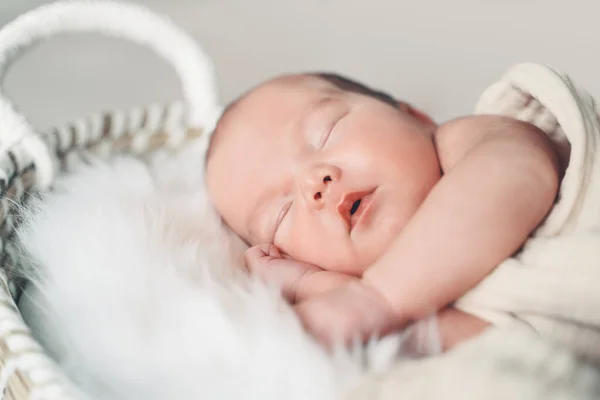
(316, 183)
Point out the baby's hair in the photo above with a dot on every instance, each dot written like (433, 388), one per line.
(350, 85)
(339, 81)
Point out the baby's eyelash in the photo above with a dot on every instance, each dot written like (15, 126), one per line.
(330, 129)
(324, 138)
(282, 214)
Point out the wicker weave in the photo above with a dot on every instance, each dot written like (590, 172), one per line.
(22, 360)
(30, 161)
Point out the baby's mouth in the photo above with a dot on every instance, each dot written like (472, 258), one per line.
(352, 206)
(355, 206)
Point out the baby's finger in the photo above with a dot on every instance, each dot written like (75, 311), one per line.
(260, 254)
(262, 250)
(273, 251)
(254, 254)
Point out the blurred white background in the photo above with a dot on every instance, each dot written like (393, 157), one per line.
(438, 54)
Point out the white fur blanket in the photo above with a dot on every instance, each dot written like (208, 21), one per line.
(138, 294)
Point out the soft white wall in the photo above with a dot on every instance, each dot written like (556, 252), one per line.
(438, 54)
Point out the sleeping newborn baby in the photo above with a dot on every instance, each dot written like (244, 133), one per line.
(370, 216)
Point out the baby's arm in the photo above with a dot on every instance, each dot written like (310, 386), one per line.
(298, 281)
(500, 180)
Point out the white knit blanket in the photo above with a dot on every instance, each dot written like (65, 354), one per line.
(139, 294)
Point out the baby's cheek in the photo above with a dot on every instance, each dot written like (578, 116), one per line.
(311, 246)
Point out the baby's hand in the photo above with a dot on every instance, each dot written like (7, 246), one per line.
(266, 261)
(297, 280)
(354, 311)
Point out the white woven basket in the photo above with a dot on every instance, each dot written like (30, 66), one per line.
(30, 160)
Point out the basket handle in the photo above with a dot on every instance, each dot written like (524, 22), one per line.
(111, 18)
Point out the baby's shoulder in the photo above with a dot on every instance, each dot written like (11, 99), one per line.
(455, 138)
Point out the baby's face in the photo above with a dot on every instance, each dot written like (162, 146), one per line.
(330, 177)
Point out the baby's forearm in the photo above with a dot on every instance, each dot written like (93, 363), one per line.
(318, 282)
(479, 213)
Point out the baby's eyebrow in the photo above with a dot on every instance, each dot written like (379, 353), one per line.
(312, 108)
(322, 102)
(251, 222)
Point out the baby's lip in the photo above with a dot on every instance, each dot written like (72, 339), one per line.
(345, 206)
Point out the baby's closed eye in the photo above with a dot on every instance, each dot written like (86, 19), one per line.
(329, 128)
(280, 218)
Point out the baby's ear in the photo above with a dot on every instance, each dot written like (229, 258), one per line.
(419, 115)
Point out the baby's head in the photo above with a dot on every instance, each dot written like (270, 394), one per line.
(325, 168)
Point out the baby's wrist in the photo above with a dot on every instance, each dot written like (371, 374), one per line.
(320, 281)
(399, 318)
